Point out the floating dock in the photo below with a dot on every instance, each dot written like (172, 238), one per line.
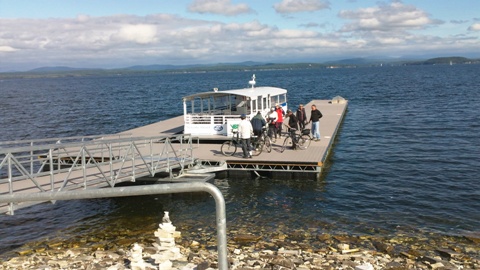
(158, 152)
(302, 164)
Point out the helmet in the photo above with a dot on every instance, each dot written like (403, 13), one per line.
(272, 109)
(243, 116)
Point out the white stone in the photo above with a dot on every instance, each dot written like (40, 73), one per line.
(166, 265)
(366, 266)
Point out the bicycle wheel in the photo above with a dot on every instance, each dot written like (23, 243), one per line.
(229, 148)
(257, 147)
(268, 144)
(287, 143)
(304, 142)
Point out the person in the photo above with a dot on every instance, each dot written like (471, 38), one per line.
(258, 122)
(279, 124)
(315, 116)
(292, 127)
(301, 117)
(245, 131)
(272, 120)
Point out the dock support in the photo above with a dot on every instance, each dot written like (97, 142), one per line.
(137, 191)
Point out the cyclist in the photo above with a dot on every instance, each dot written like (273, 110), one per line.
(258, 122)
(245, 130)
(271, 120)
(292, 127)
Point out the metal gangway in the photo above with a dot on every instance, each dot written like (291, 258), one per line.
(37, 171)
(90, 162)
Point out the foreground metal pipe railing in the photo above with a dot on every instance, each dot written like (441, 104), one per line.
(141, 190)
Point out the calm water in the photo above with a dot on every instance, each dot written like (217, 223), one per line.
(406, 160)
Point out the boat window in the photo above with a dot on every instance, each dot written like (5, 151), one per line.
(254, 106)
(282, 99)
(241, 104)
(221, 103)
(274, 100)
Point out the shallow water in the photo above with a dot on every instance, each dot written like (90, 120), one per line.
(406, 159)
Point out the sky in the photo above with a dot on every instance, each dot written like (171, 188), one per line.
(121, 33)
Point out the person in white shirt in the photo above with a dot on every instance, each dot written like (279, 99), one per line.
(271, 118)
(245, 131)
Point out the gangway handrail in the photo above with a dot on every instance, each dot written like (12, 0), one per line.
(75, 144)
(143, 190)
(91, 164)
(64, 138)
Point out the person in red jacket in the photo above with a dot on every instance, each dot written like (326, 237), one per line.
(280, 115)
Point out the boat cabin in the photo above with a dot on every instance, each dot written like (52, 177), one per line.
(218, 112)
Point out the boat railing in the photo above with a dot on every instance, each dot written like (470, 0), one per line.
(198, 119)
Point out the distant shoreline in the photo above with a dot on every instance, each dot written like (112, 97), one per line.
(62, 72)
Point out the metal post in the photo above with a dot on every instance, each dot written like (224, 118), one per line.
(142, 190)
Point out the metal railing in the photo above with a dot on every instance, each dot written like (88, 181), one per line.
(53, 165)
(144, 190)
(208, 119)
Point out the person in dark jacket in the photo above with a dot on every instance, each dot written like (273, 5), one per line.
(258, 122)
(292, 127)
(315, 116)
(301, 116)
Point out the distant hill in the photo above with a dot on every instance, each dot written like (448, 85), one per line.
(352, 61)
(58, 68)
(159, 67)
(64, 71)
(182, 67)
(444, 61)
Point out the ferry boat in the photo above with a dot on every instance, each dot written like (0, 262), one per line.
(218, 112)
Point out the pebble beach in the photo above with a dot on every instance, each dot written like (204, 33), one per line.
(248, 251)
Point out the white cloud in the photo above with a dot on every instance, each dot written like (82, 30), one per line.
(139, 33)
(293, 6)
(7, 49)
(125, 40)
(474, 27)
(221, 7)
(387, 17)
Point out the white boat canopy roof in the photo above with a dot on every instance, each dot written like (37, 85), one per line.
(253, 93)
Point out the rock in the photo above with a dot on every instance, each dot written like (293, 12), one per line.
(343, 246)
(289, 252)
(366, 266)
(473, 238)
(245, 238)
(346, 251)
(448, 253)
(282, 261)
(436, 265)
(382, 247)
(324, 237)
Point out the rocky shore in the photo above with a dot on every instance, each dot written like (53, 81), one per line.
(247, 257)
(170, 250)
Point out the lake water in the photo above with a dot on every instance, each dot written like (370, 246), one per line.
(406, 160)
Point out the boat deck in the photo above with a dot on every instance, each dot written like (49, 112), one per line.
(309, 160)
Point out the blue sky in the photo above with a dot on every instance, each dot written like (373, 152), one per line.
(119, 33)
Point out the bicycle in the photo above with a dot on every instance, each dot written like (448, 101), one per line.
(229, 148)
(302, 141)
(265, 140)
